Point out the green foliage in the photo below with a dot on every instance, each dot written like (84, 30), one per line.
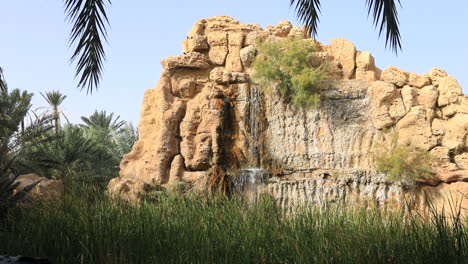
(54, 99)
(83, 154)
(88, 154)
(288, 64)
(403, 162)
(14, 106)
(177, 229)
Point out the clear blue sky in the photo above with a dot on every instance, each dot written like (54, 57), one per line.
(34, 52)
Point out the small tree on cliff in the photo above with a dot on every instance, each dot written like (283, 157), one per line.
(288, 64)
(402, 162)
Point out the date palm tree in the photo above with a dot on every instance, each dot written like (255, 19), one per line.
(54, 99)
(89, 30)
(102, 120)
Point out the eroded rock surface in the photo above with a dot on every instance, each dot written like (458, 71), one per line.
(206, 111)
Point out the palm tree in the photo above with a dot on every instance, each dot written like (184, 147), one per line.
(54, 99)
(14, 106)
(89, 20)
(102, 120)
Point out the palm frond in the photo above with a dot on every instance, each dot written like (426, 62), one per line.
(385, 15)
(308, 13)
(102, 120)
(384, 12)
(2, 80)
(54, 98)
(89, 19)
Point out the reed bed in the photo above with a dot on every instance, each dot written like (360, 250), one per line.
(194, 229)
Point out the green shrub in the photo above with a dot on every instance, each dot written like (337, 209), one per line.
(403, 162)
(288, 64)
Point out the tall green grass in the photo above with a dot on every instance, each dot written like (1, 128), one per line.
(192, 229)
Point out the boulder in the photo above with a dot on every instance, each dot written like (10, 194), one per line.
(282, 29)
(395, 76)
(453, 131)
(462, 161)
(414, 129)
(218, 43)
(366, 69)
(44, 189)
(409, 96)
(441, 159)
(194, 60)
(387, 104)
(233, 60)
(128, 189)
(418, 81)
(449, 90)
(345, 53)
(427, 96)
(436, 74)
(197, 43)
(297, 32)
(185, 88)
(247, 55)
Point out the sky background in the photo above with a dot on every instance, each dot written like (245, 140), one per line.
(34, 37)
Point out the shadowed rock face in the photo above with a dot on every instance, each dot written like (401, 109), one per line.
(206, 112)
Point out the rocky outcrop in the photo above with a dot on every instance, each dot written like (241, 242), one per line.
(42, 188)
(207, 112)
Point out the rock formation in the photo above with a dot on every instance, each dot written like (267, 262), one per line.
(206, 112)
(44, 189)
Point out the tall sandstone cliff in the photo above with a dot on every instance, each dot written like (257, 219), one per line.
(207, 112)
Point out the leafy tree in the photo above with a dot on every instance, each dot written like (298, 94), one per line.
(288, 63)
(54, 99)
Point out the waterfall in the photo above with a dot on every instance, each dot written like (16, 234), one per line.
(254, 122)
(249, 181)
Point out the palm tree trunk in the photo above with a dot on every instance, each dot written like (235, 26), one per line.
(56, 120)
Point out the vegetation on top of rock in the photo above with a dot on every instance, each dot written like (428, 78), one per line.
(288, 63)
(402, 162)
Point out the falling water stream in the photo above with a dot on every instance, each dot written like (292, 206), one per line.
(249, 180)
(254, 122)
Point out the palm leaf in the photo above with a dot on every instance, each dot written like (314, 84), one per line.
(308, 13)
(385, 15)
(89, 21)
(384, 12)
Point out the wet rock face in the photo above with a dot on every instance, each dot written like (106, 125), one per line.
(206, 111)
(338, 134)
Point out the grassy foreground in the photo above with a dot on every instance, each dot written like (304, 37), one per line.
(221, 230)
